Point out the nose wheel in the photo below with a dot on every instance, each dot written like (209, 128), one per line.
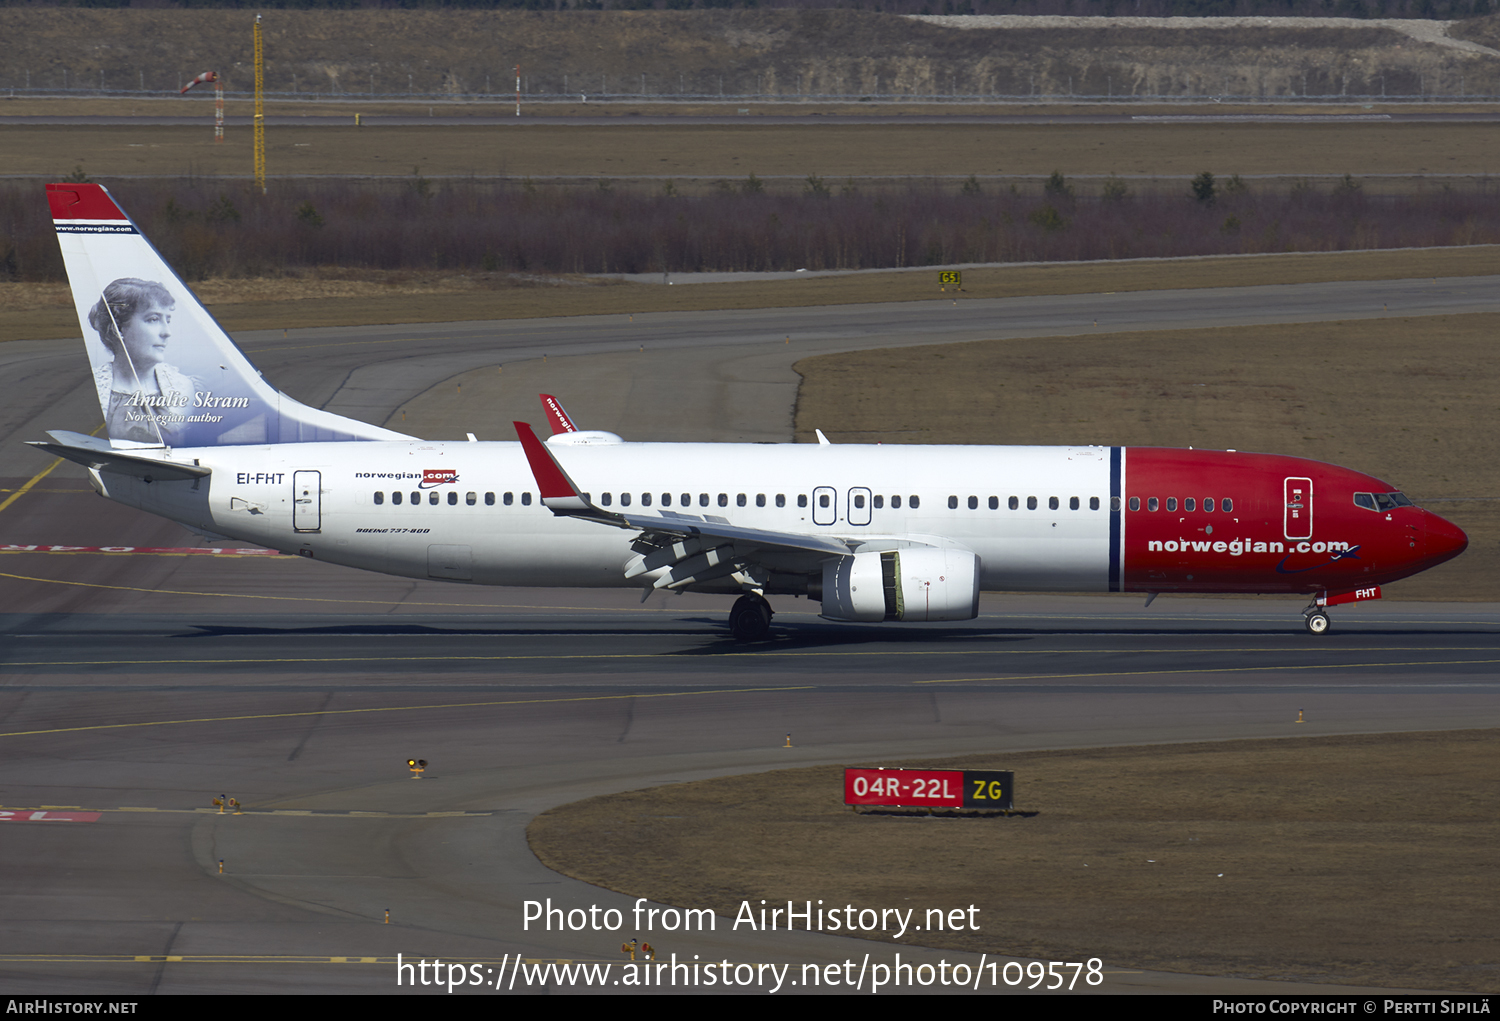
(1318, 622)
(750, 618)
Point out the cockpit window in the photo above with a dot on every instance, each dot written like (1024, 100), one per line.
(1381, 501)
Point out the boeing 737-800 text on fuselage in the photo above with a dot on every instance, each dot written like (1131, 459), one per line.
(894, 533)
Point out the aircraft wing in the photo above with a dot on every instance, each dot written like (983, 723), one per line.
(93, 452)
(692, 548)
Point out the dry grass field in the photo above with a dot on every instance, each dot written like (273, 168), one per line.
(830, 150)
(1361, 860)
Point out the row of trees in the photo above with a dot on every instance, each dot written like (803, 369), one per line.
(207, 228)
(1444, 9)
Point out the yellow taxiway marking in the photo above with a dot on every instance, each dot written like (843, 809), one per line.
(323, 599)
(771, 653)
(1007, 679)
(1207, 670)
(39, 476)
(193, 959)
(408, 708)
(408, 959)
(267, 811)
(277, 558)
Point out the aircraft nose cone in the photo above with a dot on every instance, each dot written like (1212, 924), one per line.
(1445, 540)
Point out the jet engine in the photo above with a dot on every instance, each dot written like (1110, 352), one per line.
(905, 584)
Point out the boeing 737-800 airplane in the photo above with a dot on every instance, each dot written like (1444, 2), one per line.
(893, 533)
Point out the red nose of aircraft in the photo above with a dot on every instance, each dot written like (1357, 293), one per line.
(1445, 540)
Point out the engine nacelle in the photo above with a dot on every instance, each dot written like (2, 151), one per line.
(907, 584)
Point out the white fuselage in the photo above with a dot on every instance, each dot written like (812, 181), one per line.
(493, 530)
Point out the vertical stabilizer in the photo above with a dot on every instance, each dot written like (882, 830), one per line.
(166, 373)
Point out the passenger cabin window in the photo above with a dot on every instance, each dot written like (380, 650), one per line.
(489, 499)
(895, 503)
(380, 499)
(823, 501)
(525, 499)
(509, 499)
(781, 499)
(1052, 503)
(432, 498)
(879, 502)
(645, 499)
(452, 499)
(687, 500)
(624, 500)
(739, 500)
(702, 499)
(1135, 503)
(1093, 503)
(1228, 505)
(1015, 503)
(1031, 503)
(973, 503)
(1151, 503)
(416, 498)
(1208, 505)
(915, 502)
(953, 503)
(994, 503)
(1171, 503)
(1189, 504)
(760, 499)
(1072, 503)
(605, 499)
(801, 499)
(472, 498)
(859, 502)
(723, 499)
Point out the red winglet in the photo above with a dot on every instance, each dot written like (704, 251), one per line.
(551, 480)
(558, 418)
(82, 202)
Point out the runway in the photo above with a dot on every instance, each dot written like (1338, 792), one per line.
(136, 686)
(535, 115)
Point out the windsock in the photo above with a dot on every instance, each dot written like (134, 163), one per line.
(206, 78)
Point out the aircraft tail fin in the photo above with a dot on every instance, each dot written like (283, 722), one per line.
(166, 373)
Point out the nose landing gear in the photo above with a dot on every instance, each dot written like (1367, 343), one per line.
(750, 618)
(1317, 619)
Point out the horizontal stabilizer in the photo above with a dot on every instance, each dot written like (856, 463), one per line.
(92, 452)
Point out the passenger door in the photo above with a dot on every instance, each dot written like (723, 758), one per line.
(307, 501)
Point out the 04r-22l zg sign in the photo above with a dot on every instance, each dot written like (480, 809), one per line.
(930, 788)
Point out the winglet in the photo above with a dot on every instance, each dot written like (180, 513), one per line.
(559, 493)
(556, 416)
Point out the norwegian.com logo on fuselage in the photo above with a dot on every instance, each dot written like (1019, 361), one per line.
(437, 477)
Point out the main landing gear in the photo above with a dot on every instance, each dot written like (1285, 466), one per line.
(1317, 619)
(750, 618)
